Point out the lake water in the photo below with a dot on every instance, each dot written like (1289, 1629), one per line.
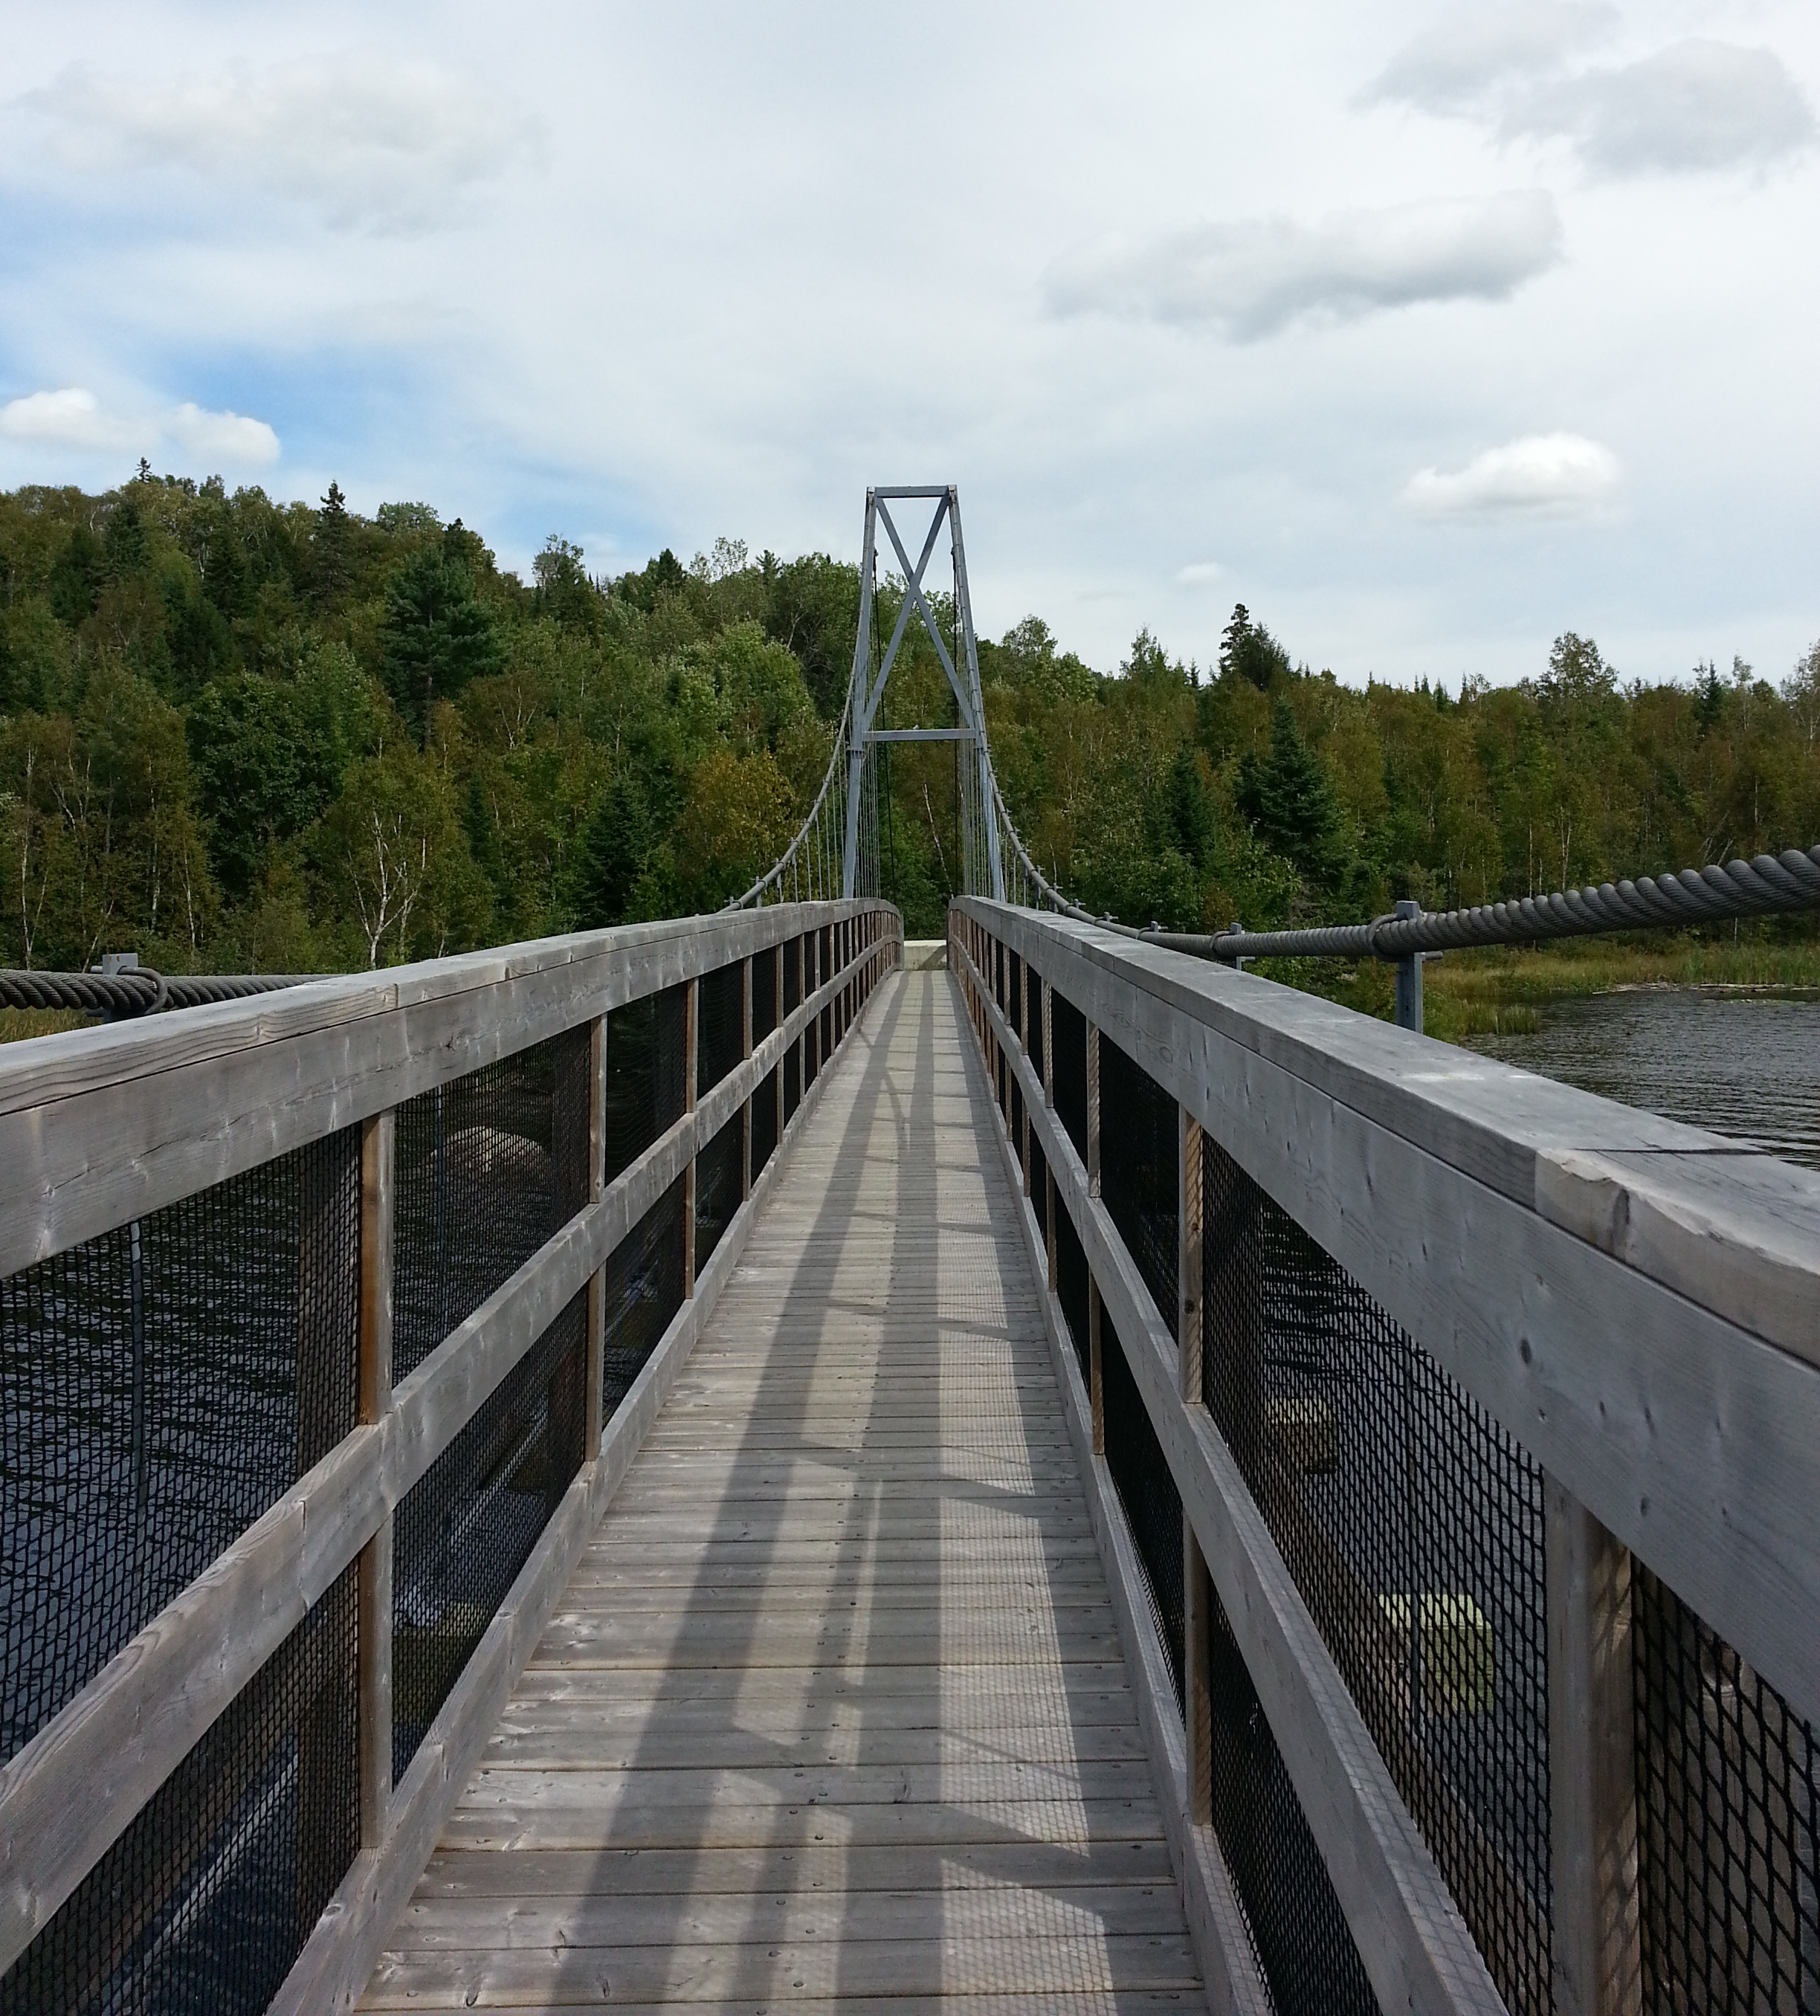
(1743, 1064)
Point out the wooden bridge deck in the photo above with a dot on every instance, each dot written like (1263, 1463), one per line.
(834, 1710)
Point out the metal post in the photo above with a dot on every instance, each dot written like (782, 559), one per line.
(1409, 977)
(378, 1139)
(1592, 1802)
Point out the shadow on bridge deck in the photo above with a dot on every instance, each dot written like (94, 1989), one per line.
(833, 1709)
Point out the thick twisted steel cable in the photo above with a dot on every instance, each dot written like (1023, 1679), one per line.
(1770, 884)
(140, 990)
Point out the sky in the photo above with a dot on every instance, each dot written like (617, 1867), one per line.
(1428, 331)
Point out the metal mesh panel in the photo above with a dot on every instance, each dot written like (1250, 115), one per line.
(999, 1076)
(1070, 1288)
(488, 1167)
(161, 1386)
(1014, 991)
(202, 1906)
(1727, 1807)
(1153, 1506)
(1412, 1523)
(1039, 1184)
(764, 1122)
(1017, 1117)
(1039, 1005)
(720, 1024)
(792, 974)
(792, 1071)
(644, 1290)
(764, 994)
(1140, 1166)
(1299, 1933)
(825, 972)
(719, 1174)
(812, 1052)
(468, 1526)
(647, 1045)
(1069, 1061)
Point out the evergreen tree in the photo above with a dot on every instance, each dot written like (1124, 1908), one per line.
(438, 635)
(615, 846)
(1290, 799)
(329, 562)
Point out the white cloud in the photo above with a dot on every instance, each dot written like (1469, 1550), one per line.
(1200, 574)
(1253, 279)
(73, 418)
(364, 139)
(1537, 475)
(228, 438)
(1695, 105)
(1450, 66)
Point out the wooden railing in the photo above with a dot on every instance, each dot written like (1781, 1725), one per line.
(107, 1129)
(1610, 1324)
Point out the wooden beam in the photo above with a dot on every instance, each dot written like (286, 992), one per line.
(377, 1149)
(1592, 1770)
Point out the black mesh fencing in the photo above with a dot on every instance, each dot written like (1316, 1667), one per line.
(646, 1057)
(1153, 1506)
(488, 1167)
(764, 994)
(1068, 1062)
(792, 1072)
(1040, 1184)
(1140, 1169)
(203, 1904)
(162, 1386)
(825, 972)
(720, 1175)
(764, 1122)
(827, 1034)
(1017, 1117)
(1039, 1004)
(1014, 991)
(1303, 1945)
(1412, 1523)
(720, 1024)
(792, 951)
(467, 1527)
(1070, 1288)
(644, 1291)
(812, 1057)
(1728, 1810)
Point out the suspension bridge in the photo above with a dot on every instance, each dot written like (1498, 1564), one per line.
(697, 1463)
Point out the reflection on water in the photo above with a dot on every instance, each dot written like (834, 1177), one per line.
(1742, 1064)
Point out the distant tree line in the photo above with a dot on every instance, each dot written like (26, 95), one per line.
(235, 734)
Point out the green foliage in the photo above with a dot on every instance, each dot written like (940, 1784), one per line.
(240, 734)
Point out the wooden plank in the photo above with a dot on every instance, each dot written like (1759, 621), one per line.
(776, 1643)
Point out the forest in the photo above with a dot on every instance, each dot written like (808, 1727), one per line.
(237, 735)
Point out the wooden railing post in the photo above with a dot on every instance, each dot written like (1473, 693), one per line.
(1024, 1045)
(1592, 1800)
(777, 1023)
(596, 1345)
(1197, 1593)
(378, 1140)
(690, 1023)
(746, 1111)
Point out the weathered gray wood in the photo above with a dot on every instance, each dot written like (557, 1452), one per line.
(657, 1724)
(1414, 1943)
(1650, 1405)
(339, 1954)
(103, 1126)
(1592, 1783)
(377, 1149)
(597, 1280)
(1233, 1986)
(139, 1717)
(691, 1035)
